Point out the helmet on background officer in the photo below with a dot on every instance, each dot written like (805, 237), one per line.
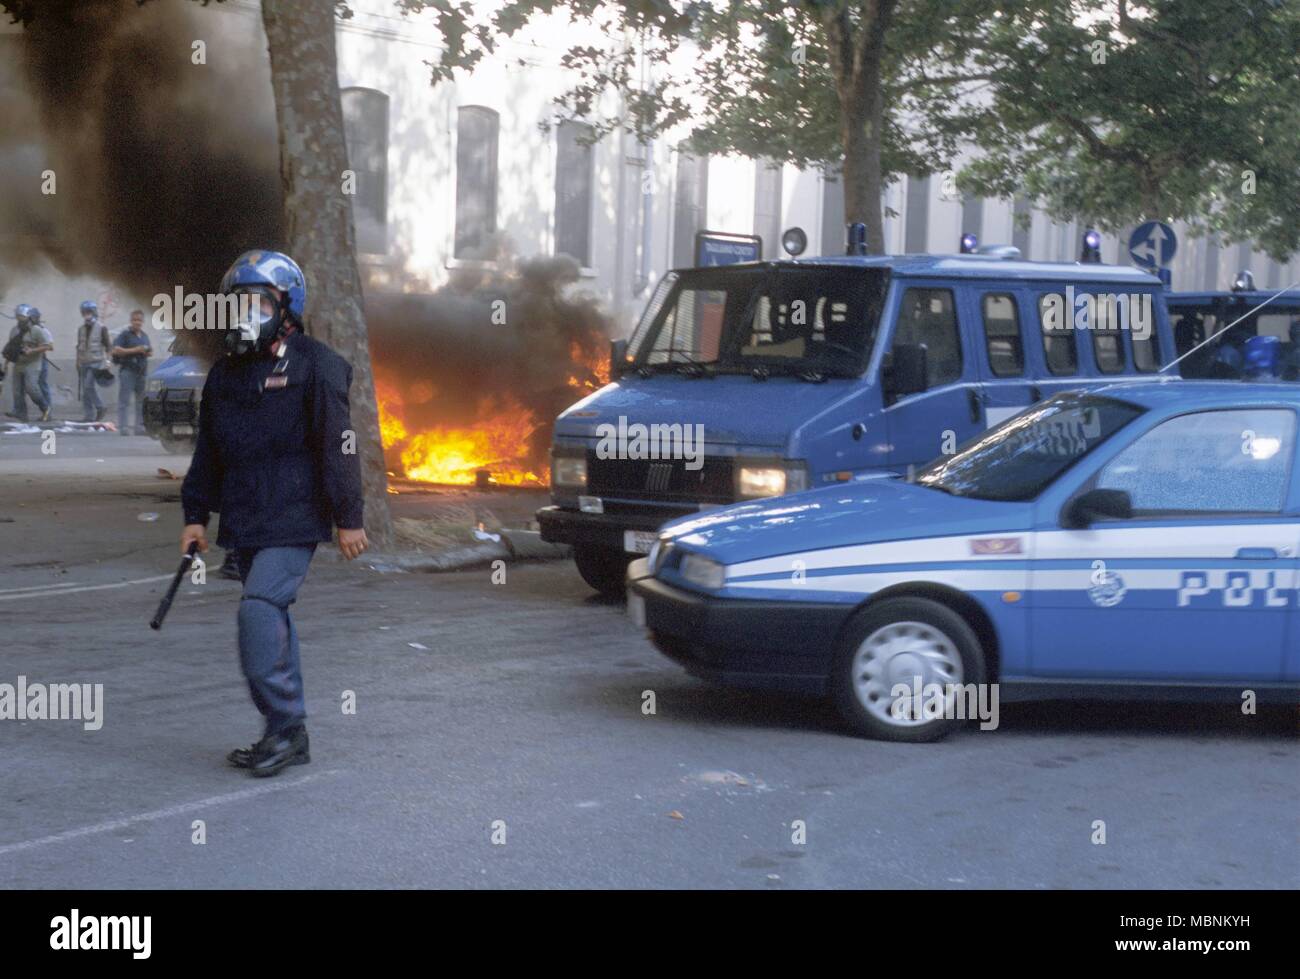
(89, 310)
(279, 287)
(22, 313)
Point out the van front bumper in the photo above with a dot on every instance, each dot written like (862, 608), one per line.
(172, 411)
(560, 525)
(785, 646)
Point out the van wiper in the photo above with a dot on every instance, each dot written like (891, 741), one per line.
(691, 367)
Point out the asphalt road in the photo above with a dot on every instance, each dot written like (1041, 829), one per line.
(487, 709)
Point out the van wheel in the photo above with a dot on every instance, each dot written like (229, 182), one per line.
(604, 568)
(913, 642)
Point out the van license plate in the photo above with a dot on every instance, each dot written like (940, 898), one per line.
(638, 541)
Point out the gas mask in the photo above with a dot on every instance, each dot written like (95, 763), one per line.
(261, 320)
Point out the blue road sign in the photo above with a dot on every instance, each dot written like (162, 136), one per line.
(1152, 245)
(723, 248)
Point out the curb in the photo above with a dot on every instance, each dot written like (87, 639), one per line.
(515, 545)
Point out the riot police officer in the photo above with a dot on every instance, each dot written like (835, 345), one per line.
(275, 456)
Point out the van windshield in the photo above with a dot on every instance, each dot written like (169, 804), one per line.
(1018, 459)
(803, 320)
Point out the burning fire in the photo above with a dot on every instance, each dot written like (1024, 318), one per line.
(500, 440)
(593, 365)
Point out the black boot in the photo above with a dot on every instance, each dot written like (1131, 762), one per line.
(278, 751)
(243, 757)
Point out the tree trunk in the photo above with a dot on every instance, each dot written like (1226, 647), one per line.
(313, 156)
(856, 53)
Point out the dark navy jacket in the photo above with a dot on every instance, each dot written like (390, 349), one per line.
(270, 455)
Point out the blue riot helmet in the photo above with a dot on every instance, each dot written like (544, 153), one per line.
(280, 288)
(22, 312)
(33, 315)
(89, 308)
(1261, 358)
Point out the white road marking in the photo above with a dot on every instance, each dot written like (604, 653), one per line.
(168, 813)
(60, 590)
(62, 584)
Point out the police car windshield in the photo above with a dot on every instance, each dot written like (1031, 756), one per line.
(1022, 456)
(805, 319)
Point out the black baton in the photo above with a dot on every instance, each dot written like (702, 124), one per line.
(165, 605)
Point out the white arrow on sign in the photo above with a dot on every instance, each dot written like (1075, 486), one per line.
(1153, 248)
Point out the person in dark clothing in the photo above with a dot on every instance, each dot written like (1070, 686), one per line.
(276, 457)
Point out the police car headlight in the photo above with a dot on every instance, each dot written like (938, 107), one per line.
(569, 471)
(703, 571)
(753, 482)
(153, 387)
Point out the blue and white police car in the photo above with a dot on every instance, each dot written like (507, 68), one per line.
(1132, 541)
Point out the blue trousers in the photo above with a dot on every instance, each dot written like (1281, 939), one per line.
(268, 641)
(90, 402)
(27, 384)
(130, 384)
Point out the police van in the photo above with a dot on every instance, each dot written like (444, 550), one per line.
(172, 394)
(765, 378)
(1215, 333)
(1136, 540)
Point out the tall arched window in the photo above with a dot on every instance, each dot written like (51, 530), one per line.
(690, 206)
(767, 206)
(365, 128)
(573, 190)
(476, 180)
(834, 232)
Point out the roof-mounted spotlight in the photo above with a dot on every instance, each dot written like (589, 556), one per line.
(855, 240)
(1090, 252)
(1244, 282)
(969, 242)
(794, 241)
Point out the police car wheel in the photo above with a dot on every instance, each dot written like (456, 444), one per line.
(913, 643)
(603, 568)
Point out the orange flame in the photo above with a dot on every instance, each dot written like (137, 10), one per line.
(500, 440)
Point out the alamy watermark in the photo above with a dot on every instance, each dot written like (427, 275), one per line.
(25, 701)
(951, 701)
(655, 441)
(1102, 312)
(203, 311)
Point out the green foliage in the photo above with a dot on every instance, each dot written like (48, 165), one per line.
(1190, 100)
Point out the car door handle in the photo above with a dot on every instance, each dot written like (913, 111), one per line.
(976, 404)
(1256, 553)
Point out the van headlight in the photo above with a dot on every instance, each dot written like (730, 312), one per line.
(569, 471)
(770, 479)
(702, 571)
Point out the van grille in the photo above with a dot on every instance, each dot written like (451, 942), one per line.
(655, 479)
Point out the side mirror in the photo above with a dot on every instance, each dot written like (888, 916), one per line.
(617, 358)
(907, 371)
(1085, 510)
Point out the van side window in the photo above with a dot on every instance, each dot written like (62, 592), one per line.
(929, 317)
(1146, 352)
(1058, 340)
(1108, 315)
(1002, 335)
(1108, 349)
